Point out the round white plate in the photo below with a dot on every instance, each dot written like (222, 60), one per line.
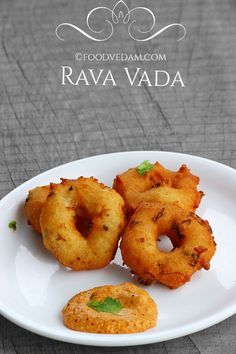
(34, 287)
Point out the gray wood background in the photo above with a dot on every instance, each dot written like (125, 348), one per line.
(44, 124)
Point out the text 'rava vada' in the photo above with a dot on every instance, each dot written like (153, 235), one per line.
(111, 309)
(101, 209)
(192, 239)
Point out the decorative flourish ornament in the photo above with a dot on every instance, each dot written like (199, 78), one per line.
(122, 14)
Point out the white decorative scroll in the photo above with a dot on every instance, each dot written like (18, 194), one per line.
(121, 13)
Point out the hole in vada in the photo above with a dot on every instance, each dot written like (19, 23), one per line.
(83, 222)
(164, 244)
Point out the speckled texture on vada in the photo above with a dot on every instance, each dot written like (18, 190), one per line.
(100, 208)
(192, 239)
(34, 204)
(158, 184)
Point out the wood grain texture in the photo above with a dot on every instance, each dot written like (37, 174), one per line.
(44, 124)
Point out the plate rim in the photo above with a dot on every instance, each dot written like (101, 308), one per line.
(110, 340)
(118, 153)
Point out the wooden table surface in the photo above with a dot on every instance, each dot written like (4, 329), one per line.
(44, 124)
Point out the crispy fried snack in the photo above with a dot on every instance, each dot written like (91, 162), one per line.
(101, 210)
(191, 237)
(34, 204)
(138, 311)
(159, 185)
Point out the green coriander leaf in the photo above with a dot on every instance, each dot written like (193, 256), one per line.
(107, 305)
(144, 167)
(12, 225)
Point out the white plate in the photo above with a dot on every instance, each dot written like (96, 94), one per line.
(34, 287)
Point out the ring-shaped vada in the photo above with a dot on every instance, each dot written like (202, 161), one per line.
(34, 204)
(101, 209)
(191, 237)
(158, 184)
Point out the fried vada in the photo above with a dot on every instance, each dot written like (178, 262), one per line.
(192, 239)
(158, 184)
(102, 210)
(34, 204)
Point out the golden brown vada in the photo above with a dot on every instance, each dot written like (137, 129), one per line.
(191, 237)
(34, 204)
(102, 208)
(158, 184)
(135, 310)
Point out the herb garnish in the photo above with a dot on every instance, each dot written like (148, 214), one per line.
(144, 167)
(12, 225)
(107, 305)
